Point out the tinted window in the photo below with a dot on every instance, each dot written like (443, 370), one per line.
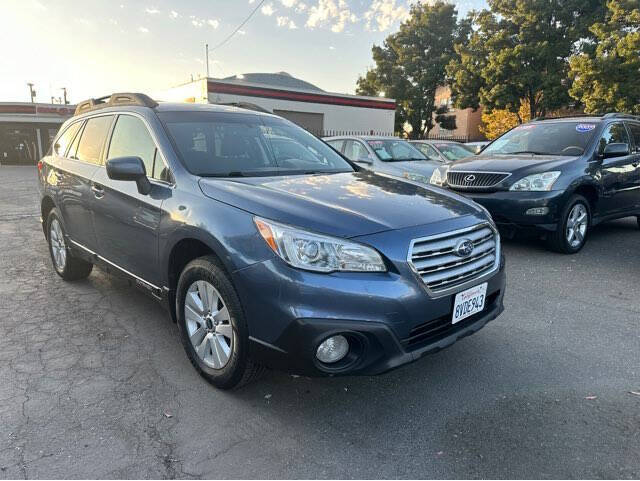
(395, 150)
(454, 151)
(615, 133)
(545, 138)
(62, 144)
(354, 150)
(131, 138)
(93, 137)
(223, 144)
(336, 144)
(427, 150)
(635, 134)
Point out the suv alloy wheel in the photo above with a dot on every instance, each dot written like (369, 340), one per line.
(212, 325)
(66, 265)
(575, 221)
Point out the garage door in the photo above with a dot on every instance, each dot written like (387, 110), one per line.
(313, 122)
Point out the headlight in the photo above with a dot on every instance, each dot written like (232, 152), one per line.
(416, 177)
(439, 176)
(536, 182)
(315, 252)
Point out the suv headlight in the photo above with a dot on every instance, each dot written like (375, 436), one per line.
(439, 176)
(536, 182)
(315, 252)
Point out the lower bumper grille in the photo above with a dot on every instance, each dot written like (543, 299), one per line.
(441, 327)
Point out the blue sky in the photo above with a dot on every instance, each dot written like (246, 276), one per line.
(97, 47)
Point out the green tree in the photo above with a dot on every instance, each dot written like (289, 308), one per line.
(410, 65)
(606, 78)
(518, 52)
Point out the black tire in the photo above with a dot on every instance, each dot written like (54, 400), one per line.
(557, 241)
(73, 268)
(638, 219)
(239, 369)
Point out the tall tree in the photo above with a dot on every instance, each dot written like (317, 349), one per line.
(410, 64)
(518, 52)
(606, 78)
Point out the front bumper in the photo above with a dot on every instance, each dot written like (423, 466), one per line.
(389, 318)
(509, 209)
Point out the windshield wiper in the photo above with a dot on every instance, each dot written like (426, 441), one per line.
(532, 152)
(235, 173)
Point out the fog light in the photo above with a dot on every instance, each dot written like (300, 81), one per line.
(538, 211)
(332, 349)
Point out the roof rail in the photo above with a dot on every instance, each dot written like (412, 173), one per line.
(115, 100)
(619, 115)
(565, 117)
(248, 106)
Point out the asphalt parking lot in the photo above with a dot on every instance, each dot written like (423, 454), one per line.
(94, 382)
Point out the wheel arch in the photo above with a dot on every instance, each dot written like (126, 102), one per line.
(46, 206)
(589, 192)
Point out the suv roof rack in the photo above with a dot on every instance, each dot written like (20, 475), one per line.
(114, 100)
(566, 117)
(619, 115)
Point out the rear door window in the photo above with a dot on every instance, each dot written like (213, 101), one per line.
(93, 138)
(63, 142)
(355, 151)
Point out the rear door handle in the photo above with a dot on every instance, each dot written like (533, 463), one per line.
(98, 191)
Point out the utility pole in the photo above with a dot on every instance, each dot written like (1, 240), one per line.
(64, 91)
(32, 92)
(206, 48)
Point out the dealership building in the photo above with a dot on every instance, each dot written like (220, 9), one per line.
(27, 129)
(322, 113)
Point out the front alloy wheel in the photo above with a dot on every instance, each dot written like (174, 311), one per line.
(577, 225)
(208, 324)
(573, 227)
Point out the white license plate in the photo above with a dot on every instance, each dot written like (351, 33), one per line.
(469, 302)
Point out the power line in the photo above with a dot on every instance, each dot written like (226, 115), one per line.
(239, 27)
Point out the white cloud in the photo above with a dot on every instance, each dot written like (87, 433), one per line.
(382, 14)
(301, 7)
(39, 5)
(197, 22)
(143, 30)
(328, 12)
(151, 10)
(286, 22)
(268, 9)
(174, 14)
(213, 23)
(241, 32)
(288, 3)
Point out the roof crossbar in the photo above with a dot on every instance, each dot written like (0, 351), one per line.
(115, 100)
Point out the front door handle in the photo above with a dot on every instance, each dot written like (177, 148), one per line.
(98, 191)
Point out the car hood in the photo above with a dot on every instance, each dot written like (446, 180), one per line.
(511, 163)
(345, 204)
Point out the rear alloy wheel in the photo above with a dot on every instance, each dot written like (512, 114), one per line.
(573, 227)
(212, 326)
(66, 265)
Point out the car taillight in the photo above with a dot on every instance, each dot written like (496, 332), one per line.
(40, 166)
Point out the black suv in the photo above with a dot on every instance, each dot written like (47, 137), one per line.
(558, 176)
(267, 246)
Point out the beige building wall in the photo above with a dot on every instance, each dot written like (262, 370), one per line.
(467, 121)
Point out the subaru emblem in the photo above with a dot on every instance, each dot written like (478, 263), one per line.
(464, 248)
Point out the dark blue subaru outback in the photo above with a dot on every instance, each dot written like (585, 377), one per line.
(267, 247)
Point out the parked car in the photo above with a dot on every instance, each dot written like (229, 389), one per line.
(386, 155)
(262, 255)
(477, 147)
(443, 150)
(559, 177)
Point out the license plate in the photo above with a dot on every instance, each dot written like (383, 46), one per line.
(469, 302)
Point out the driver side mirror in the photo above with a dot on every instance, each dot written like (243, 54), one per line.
(129, 169)
(615, 150)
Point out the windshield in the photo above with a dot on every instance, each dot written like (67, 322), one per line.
(454, 151)
(553, 138)
(215, 144)
(395, 150)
